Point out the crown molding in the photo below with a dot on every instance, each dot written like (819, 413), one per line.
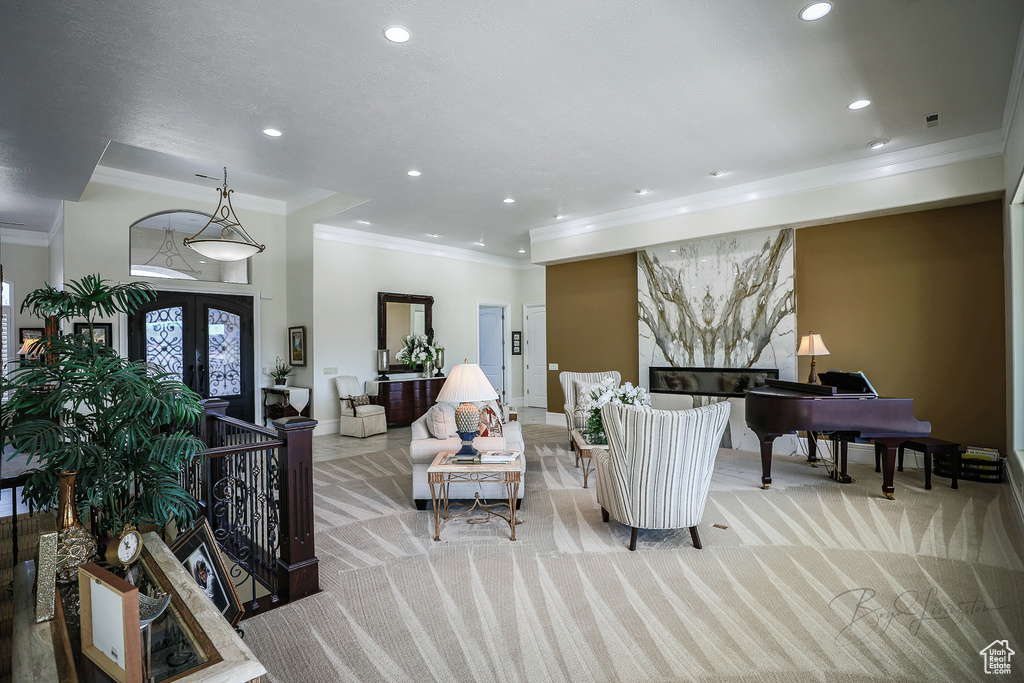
(970, 148)
(368, 239)
(1016, 79)
(58, 223)
(129, 180)
(23, 238)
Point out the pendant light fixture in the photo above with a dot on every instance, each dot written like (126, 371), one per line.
(233, 243)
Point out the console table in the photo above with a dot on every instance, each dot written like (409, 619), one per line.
(404, 400)
(285, 402)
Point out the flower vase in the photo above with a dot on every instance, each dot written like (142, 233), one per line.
(75, 546)
(428, 369)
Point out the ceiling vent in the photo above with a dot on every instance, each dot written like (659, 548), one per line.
(210, 177)
(20, 225)
(931, 120)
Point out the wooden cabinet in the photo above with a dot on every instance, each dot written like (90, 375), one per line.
(404, 400)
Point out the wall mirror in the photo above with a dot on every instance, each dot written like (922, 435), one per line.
(399, 315)
(157, 251)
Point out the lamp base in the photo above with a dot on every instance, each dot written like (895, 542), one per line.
(467, 445)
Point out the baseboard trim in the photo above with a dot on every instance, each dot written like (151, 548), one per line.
(327, 427)
(1016, 490)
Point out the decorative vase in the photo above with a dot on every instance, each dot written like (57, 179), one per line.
(75, 546)
(428, 369)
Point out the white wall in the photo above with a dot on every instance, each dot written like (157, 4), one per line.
(347, 278)
(26, 268)
(96, 241)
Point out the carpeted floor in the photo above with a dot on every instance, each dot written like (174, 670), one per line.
(809, 581)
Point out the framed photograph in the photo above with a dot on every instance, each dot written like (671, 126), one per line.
(198, 553)
(28, 334)
(517, 343)
(102, 333)
(110, 623)
(297, 345)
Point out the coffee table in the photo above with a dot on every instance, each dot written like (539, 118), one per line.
(584, 452)
(442, 472)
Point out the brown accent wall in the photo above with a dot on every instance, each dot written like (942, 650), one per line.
(916, 302)
(592, 320)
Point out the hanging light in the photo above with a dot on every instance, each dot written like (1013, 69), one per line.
(234, 243)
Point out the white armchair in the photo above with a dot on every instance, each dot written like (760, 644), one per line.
(358, 420)
(656, 471)
(575, 418)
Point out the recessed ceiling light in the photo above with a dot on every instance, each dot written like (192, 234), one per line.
(479, 244)
(272, 132)
(815, 10)
(522, 251)
(202, 261)
(397, 34)
(858, 104)
(718, 174)
(509, 200)
(643, 191)
(364, 222)
(559, 216)
(433, 234)
(414, 174)
(877, 144)
(672, 251)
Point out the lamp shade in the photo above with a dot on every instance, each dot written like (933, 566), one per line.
(224, 249)
(466, 382)
(28, 348)
(811, 345)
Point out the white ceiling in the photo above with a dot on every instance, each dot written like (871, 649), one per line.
(568, 107)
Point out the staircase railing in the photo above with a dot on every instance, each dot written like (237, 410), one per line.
(255, 487)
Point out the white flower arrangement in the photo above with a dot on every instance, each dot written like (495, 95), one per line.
(606, 392)
(419, 350)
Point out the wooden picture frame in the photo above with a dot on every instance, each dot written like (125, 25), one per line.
(297, 345)
(102, 333)
(111, 637)
(201, 557)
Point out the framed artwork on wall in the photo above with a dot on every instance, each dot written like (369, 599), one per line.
(517, 343)
(26, 334)
(198, 553)
(297, 345)
(102, 333)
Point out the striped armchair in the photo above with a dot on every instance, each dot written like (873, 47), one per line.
(656, 471)
(574, 416)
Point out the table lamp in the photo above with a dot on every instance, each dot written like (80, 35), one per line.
(383, 364)
(811, 345)
(466, 383)
(29, 347)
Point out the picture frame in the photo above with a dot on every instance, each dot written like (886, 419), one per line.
(297, 345)
(199, 554)
(111, 636)
(27, 333)
(102, 333)
(517, 343)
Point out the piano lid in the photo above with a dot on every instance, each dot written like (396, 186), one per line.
(848, 382)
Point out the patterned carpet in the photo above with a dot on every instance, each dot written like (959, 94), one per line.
(809, 581)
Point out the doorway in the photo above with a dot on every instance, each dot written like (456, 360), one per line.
(206, 339)
(491, 345)
(535, 360)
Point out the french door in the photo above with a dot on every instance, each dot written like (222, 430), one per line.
(206, 339)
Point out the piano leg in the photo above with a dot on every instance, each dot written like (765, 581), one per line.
(841, 476)
(812, 448)
(889, 464)
(766, 458)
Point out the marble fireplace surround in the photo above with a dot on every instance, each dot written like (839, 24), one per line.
(722, 302)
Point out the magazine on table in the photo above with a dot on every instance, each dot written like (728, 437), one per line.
(496, 457)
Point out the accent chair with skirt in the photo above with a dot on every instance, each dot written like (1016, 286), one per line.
(359, 416)
(656, 471)
(575, 387)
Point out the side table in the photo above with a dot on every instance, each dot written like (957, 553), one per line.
(584, 453)
(443, 472)
(285, 402)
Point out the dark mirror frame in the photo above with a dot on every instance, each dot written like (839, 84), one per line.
(383, 299)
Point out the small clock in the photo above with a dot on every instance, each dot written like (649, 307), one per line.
(125, 547)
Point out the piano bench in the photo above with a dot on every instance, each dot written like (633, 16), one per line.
(929, 446)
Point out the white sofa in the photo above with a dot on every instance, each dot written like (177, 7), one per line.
(424, 448)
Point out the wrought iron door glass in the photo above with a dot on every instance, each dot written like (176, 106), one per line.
(225, 352)
(164, 342)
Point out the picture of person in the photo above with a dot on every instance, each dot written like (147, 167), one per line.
(200, 567)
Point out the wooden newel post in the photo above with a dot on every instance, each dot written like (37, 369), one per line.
(211, 407)
(298, 571)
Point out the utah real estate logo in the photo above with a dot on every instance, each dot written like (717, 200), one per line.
(997, 657)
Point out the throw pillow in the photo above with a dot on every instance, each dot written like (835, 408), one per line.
(360, 400)
(490, 423)
(441, 421)
(583, 390)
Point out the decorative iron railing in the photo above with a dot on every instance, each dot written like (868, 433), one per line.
(254, 486)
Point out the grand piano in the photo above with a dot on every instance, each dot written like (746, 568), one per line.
(845, 407)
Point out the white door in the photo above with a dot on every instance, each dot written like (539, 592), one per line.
(535, 356)
(491, 351)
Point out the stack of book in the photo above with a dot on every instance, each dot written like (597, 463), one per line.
(981, 453)
(497, 457)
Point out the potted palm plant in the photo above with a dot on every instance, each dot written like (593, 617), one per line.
(126, 427)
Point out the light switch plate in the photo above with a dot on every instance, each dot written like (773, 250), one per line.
(552, 366)
(330, 371)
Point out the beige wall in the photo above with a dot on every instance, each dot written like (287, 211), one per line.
(26, 268)
(592, 320)
(916, 302)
